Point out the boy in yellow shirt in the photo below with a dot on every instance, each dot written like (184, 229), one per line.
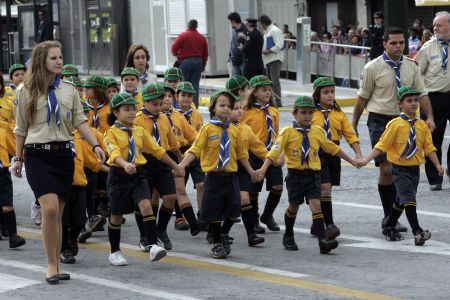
(172, 77)
(406, 140)
(69, 70)
(16, 75)
(301, 143)
(130, 82)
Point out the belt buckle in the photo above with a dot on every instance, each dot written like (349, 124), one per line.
(47, 146)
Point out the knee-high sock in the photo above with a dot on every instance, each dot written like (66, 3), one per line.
(388, 193)
(395, 214)
(319, 225)
(289, 221)
(114, 237)
(272, 202)
(139, 222)
(150, 228)
(327, 209)
(411, 215)
(247, 218)
(164, 217)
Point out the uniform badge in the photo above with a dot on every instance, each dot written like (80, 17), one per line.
(9, 94)
(276, 147)
(361, 77)
(16, 102)
(295, 152)
(434, 57)
(315, 153)
(214, 137)
(68, 115)
(110, 148)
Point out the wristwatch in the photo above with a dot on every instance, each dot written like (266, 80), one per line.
(17, 159)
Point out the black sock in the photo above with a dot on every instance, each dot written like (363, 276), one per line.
(289, 221)
(411, 215)
(114, 236)
(65, 237)
(215, 230)
(226, 226)
(247, 218)
(150, 228)
(272, 202)
(164, 217)
(189, 214)
(327, 209)
(139, 222)
(155, 209)
(388, 194)
(396, 212)
(178, 210)
(319, 225)
(254, 202)
(9, 219)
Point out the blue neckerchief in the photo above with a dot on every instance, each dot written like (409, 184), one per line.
(131, 143)
(411, 145)
(169, 114)
(143, 78)
(444, 54)
(95, 118)
(305, 141)
(270, 130)
(175, 104)
(395, 66)
(326, 124)
(52, 102)
(1, 165)
(186, 114)
(12, 86)
(155, 131)
(224, 153)
(72, 148)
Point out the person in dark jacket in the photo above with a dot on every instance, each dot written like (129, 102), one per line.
(376, 35)
(252, 48)
(237, 57)
(45, 30)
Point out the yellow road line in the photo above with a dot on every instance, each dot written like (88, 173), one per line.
(233, 271)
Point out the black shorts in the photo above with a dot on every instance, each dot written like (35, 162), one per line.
(330, 171)
(406, 180)
(221, 198)
(126, 191)
(303, 184)
(244, 179)
(159, 176)
(274, 175)
(195, 170)
(74, 213)
(377, 124)
(6, 188)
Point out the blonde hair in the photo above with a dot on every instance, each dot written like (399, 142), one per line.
(37, 78)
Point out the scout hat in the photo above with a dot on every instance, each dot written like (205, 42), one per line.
(259, 80)
(378, 14)
(236, 82)
(186, 86)
(110, 81)
(86, 108)
(153, 91)
(304, 101)
(69, 69)
(122, 99)
(405, 91)
(323, 81)
(94, 81)
(173, 74)
(74, 80)
(168, 87)
(252, 21)
(129, 71)
(14, 68)
(216, 95)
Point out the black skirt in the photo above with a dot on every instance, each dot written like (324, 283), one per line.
(49, 171)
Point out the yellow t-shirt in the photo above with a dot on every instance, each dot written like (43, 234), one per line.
(255, 118)
(250, 141)
(184, 132)
(6, 147)
(102, 113)
(168, 139)
(339, 126)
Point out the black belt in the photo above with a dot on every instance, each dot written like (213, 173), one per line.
(221, 173)
(49, 146)
(306, 172)
(406, 167)
(382, 116)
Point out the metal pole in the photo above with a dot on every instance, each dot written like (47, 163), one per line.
(303, 50)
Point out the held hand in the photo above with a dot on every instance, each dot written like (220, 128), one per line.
(179, 172)
(130, 168)
(17, 169)
(431, 125)
(281, 161)
(440, 170)
(100, 154)
(266, 52)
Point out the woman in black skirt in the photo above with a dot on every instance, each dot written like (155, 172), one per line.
(48, 111)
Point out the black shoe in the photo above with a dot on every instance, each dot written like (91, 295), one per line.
(332, 232)
(195, 229)
(64, 276)
(313, 231)
(73, 245)
(218, 251)
(84, 236)
(54, 279)
(164, 239)
(144, 244)
(392, 234)
(421, 236)
(66, 257)
(289, 243)
(209, 237)
(326, 246)
(254, 240)
(96, 223)
(401, 228)
(258, 229)
(16, 241)
(4, 231)
(226, 243)
(270, 222)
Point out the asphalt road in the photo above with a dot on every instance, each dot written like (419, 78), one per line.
(364, 266)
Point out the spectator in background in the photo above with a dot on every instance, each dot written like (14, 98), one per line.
(191, 50)
(337, 38)
(315, 38)
(426, 36)
(376, 35)
(326, 38)
(45, 30)
(252, 47)
(413, 42)
(355, 42)
(237, 57)
(418, 24)
(365, 40)
(288, 35)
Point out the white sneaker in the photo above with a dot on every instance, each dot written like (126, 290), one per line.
(117, 259)
(36, 216)
(157, 252)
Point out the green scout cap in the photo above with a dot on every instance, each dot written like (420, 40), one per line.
(153, 91)
(15, 67)
(323, 81)
(129, 71)
(236, 82)
(168, 87)
(94, 81)
(122, 99)
(74, 80)
(186, 86)
(173, 74)
(86, 108)
(406, 90)
(69, 69)
(304, 101)
(110, 81)
(259, 80)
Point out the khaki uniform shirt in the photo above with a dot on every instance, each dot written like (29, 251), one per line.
(379, 86)
(429, 59)
(71, 113)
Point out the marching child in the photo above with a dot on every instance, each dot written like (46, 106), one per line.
(219, 147)
(172, 77)
(69, 70)
(130, 82)
(300, 144)
(113, 87)
(76, 81)
(406, 140)
(16, 75)
(329, 116)
(127, 185)
(239, 86)
(261, 115)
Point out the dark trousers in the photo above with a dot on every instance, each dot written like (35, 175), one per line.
(440, 104)
(192, 71)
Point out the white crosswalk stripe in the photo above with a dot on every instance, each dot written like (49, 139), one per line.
(10, 282)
